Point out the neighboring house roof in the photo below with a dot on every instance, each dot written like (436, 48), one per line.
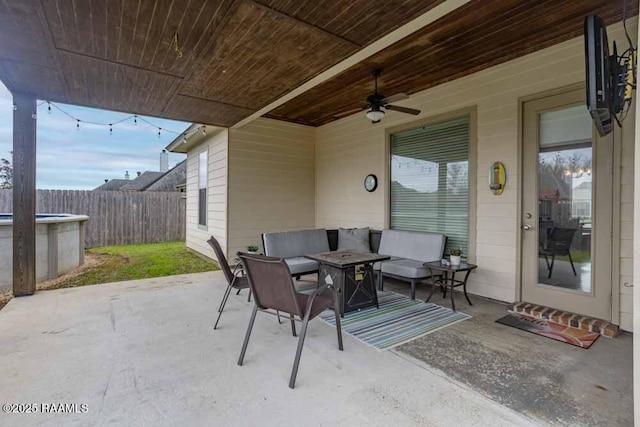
(112, 185)
(171, 179)
(552, 188)
(142, 182)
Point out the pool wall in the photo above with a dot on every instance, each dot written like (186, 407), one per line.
(59, 246)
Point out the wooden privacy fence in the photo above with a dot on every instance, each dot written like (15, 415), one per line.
(115, 217)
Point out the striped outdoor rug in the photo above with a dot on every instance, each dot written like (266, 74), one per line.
(397, 321)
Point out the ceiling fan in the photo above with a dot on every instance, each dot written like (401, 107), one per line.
(376, 103)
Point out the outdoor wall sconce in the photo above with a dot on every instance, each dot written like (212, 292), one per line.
(497, 178)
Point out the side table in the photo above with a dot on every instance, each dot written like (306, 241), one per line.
(451, 282)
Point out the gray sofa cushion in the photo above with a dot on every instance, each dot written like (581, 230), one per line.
(290, 244)
(299, 265)
(354, 239)
(409, 268)
(412, 245)
(377, 265)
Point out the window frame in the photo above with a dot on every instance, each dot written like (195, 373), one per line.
(471, 113)
(202, 226)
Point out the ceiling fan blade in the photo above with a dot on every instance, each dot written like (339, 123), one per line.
(395, 98)
(349, 112)
(403, 109)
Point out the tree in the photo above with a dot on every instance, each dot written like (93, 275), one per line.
(6, 173)
(563, 164)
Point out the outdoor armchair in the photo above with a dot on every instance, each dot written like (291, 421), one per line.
(274, 292)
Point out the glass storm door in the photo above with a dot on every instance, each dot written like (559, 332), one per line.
(566, 207)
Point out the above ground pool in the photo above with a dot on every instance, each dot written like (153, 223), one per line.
(59, 245)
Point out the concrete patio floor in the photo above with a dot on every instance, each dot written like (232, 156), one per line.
(549, 381)
(145, 353)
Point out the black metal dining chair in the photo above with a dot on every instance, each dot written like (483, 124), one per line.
(558, 244)
(235, 278)
(274, 292)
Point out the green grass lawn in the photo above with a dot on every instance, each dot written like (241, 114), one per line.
(120, 263)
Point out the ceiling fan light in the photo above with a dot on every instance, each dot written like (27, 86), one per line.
(375, 115)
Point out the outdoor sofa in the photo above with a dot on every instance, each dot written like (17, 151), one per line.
(292, 246)
(408, 250)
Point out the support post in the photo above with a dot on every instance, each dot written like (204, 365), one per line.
(636, 257)
(24, 194)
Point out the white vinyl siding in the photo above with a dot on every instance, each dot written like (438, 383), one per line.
(430, 181)
(271, 180)
(626, 228)
(216, 146)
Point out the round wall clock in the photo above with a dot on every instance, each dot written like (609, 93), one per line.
(370, 183)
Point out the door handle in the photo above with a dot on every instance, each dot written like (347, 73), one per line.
(527, 227)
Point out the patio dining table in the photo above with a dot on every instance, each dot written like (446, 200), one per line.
(352, 274)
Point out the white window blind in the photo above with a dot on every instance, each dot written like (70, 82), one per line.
(430, 181)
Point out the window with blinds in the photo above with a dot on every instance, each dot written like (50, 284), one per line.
(430, 181)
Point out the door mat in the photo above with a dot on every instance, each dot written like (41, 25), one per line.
(398, 320)
(555, 331)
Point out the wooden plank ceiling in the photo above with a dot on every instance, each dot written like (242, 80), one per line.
(237, 55)
(476, 36)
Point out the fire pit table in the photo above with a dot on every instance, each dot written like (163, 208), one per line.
(352, 274)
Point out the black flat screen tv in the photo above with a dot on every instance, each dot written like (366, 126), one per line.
(599, 74)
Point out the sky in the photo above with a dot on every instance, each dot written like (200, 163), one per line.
(81, 159)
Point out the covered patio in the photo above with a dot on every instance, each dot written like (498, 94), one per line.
(144, 352)
(280, 142)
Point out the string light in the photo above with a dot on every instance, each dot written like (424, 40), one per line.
(187, 135)
(135, 118)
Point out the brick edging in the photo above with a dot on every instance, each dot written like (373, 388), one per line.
(566, 318)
